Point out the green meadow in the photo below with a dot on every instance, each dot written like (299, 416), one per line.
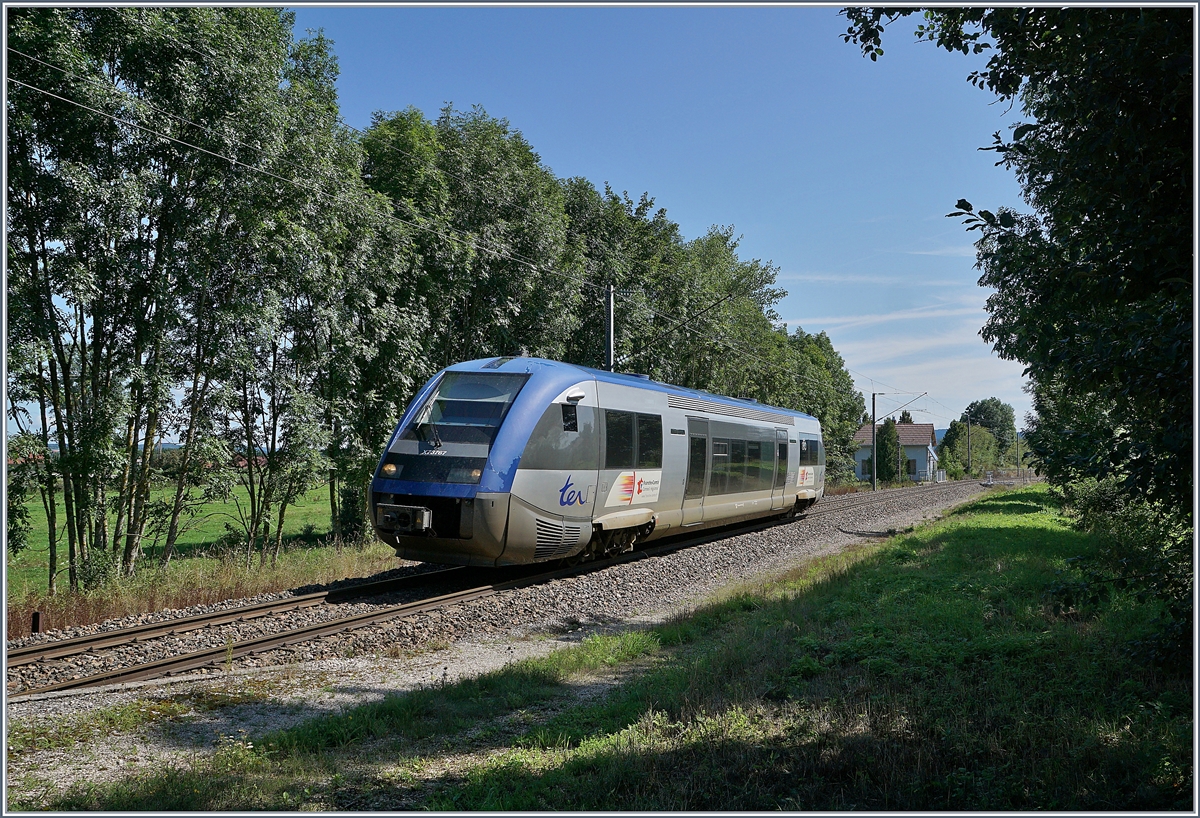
(930, 671)
(200, 572)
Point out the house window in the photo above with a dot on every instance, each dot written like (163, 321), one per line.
(912, 467)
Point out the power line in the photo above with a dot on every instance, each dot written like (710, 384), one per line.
(466, 237)
(389, 146)
(255, 168)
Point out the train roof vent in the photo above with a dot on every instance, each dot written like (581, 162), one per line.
(496, 364)
(714, 408)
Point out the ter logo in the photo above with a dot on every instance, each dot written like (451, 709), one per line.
(568, 496)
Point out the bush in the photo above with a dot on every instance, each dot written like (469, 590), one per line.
(352, 508)
(99, 569)
(1147, 548)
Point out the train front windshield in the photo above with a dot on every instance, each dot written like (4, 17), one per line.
(449, 439)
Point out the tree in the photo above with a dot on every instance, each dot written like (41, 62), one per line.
(905, 417)
(166, 242)
(888, 452)
(1094, 288)
(984, 453)
(825, 389)
(995, 416)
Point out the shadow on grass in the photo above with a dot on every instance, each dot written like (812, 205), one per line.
(925, 674)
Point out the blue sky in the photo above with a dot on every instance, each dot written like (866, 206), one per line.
(837, 170)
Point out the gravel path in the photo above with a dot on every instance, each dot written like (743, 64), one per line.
(283, 687)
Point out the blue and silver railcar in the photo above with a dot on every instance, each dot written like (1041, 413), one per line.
(507, 461)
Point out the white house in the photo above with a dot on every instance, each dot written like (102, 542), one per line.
(919, 442)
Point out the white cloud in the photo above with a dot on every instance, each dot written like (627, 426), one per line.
(952, 380)
(841, 322)
(877, 351)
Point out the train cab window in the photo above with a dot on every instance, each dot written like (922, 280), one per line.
(649, 441)
(808, 451)
(618, 439)
(553, 445)
(632, 441)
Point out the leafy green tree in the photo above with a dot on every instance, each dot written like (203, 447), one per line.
(826, 390)
(1093, 290)
(20, 483)
(995, 416)
(981, 453)
(106, 219)
(906, 417)
(887, 451)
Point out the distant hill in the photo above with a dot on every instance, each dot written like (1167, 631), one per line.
(939, 433)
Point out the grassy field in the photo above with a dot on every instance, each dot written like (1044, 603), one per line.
(927, 672)
(28, 571)
(192, 577)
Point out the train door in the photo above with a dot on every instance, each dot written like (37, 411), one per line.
(781, 468)
(696, 485)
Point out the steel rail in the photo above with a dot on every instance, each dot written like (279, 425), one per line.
(45, 651)
(217, 655)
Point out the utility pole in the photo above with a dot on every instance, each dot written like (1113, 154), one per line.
(874, 451)
(1017, 438)
(968, 446)
(610, 360)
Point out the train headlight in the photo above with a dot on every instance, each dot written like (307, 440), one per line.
(475, 474)
(388, 469)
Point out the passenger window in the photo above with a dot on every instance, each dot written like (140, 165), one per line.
(650, 442)
(754, 473)
(720, 467)
(570, 415)
(618, 439)
(737, 467)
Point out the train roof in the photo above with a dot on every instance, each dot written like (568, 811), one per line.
(527, 364)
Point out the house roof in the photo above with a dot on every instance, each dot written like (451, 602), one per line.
(911, 434)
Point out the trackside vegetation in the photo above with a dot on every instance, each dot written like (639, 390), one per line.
(935, 670)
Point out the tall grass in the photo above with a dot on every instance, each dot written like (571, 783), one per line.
(196, 581)
(930, 672)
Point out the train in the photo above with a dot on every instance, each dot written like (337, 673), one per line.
(518, 460)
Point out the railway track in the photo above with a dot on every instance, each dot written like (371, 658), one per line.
(216, 656)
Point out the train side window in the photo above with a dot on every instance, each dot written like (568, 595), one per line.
(781, 464)
(754, 480)
(570, 415)
(717, 481)
(618, 439)
(737, 466)
(649, 441)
